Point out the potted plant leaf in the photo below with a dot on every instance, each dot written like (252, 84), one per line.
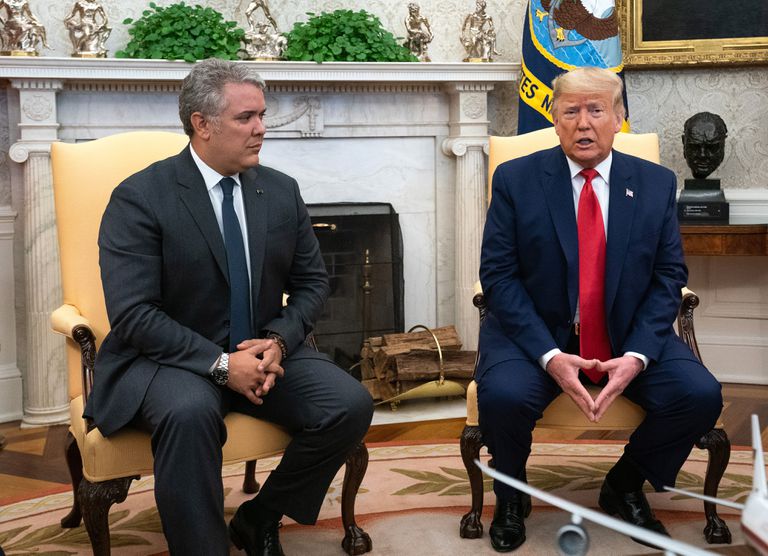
(344, 35)
(182, 32)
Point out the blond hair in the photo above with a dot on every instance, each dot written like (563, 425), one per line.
(589, 80)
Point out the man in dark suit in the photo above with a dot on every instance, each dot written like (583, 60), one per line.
(582, 268)
(196, 252)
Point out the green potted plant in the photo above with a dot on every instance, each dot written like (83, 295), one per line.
(344, 36)
(182, 32)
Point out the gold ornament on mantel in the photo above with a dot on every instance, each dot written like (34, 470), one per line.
(88, 29)
(478, 35)
(21, 31)
(262, 40)
(419, 33)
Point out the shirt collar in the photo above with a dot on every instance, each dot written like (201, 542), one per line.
(210, 176)
(603, 169)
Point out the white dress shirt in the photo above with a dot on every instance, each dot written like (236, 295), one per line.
(212, 179)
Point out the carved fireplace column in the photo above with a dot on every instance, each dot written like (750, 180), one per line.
(468, 142)
(45, 378)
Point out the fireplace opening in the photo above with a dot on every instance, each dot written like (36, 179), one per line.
(362, 248)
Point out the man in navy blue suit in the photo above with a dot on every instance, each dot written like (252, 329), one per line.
(582, 267)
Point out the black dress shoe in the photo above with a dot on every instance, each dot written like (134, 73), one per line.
(507, 530)
(257, 538)
(631, 507)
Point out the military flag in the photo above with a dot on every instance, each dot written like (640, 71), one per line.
(558, 36)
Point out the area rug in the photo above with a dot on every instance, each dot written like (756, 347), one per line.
(410, 503)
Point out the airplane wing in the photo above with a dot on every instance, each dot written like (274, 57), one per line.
(758, 477)
(665, 543)
(706, 498)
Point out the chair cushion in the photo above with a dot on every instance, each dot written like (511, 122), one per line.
(562, 413)
(128, 452)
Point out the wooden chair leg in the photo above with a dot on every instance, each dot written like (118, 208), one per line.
(75, 465)
(471, 526)
(356, 541)
(250, 484)
(95, 500)
(719, 447)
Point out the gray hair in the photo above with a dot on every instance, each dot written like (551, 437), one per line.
(203, 88)
(590, 80)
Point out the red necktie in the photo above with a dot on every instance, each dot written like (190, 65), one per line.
(593, 332)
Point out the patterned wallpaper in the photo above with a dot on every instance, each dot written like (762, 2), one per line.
(445, 17)
(659, 100)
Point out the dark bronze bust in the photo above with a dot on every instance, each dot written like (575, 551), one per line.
(704, 143)
(702, 200)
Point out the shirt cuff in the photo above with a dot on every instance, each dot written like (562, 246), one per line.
(278, 339)
(640, 356)
(547, 357)
(215, 364)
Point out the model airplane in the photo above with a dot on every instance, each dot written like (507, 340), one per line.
(754, 513)
(573, 540)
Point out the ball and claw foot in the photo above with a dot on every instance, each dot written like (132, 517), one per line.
(717, 532)
(356, 541)
(471, 527)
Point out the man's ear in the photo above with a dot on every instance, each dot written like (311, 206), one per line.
(201, 125)
(619, 123)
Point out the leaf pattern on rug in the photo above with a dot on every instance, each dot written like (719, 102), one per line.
(455, 482)
(572, 476)
(123, 529)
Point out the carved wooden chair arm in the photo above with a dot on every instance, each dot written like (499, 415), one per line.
(685, 328)
(68, 320)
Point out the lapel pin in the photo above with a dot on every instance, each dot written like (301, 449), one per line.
(259, 191)
(629, 193)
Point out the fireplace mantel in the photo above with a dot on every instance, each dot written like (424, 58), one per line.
(148, 71)
(410, 134)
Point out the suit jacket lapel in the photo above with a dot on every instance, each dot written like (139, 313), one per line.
(195, 196)
(621, 211)
(559, 194)
(256, 200)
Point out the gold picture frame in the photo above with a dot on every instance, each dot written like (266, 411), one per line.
(683, 45)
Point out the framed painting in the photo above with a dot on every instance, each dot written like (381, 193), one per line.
(663, 33)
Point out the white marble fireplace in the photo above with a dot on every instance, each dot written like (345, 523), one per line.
(412, 135)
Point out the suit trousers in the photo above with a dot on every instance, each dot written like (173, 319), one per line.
(682, 401)
(326, 411)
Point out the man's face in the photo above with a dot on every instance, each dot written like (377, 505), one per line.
(586, 124)
(703, 148)
(232, 140)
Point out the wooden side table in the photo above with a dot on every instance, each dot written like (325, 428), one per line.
(725, 239)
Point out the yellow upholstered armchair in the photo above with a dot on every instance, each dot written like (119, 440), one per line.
(563, 414)
(84, 176)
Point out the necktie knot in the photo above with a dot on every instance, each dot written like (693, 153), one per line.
(227, 186)
(589, 174)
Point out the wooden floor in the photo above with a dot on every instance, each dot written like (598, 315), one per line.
(32, 462)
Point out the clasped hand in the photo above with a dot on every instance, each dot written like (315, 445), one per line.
(254, 368)
(564, 369)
